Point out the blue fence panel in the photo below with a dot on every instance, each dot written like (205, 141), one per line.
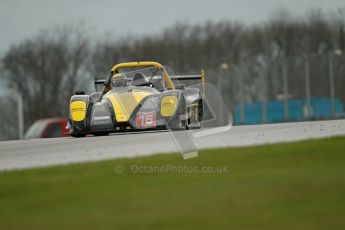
(275, 110)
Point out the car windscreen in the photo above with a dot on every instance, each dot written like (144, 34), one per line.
(152, 77)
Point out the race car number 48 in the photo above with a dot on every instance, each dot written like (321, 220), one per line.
(146, 119)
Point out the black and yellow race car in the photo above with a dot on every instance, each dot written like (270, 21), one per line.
(138, 96)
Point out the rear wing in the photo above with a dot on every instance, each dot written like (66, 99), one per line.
(185, 79)
(99, 83)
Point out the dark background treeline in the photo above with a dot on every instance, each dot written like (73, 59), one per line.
(246, 62)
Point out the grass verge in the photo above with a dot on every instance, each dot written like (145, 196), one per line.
(281, 186)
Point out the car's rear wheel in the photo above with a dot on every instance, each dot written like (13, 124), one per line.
(200, 110)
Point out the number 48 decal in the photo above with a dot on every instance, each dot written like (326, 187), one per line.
(146, 119)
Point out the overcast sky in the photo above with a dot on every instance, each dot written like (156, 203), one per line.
(20, 19)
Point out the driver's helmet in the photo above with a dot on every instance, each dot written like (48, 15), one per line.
(119, 80)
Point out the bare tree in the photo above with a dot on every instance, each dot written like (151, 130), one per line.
(46, 70)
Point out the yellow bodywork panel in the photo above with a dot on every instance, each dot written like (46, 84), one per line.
(168, 106)
(168, 82)
(125, 102)
(135, 64)
(203, 82)
(78, 110)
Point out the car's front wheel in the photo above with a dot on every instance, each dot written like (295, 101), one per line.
(101, 134)
(76, 134)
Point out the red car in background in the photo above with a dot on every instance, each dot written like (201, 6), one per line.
(48, 128)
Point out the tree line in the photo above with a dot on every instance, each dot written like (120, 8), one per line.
(246, 62)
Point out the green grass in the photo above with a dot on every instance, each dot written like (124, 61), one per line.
(282, 186)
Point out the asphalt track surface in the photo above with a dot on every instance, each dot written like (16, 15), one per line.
(57, 151)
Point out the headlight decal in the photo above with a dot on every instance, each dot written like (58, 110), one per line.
(78, 110)
(168, 106)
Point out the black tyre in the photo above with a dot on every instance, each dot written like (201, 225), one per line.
(78, 135)
(200, 110)
(100, 134)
